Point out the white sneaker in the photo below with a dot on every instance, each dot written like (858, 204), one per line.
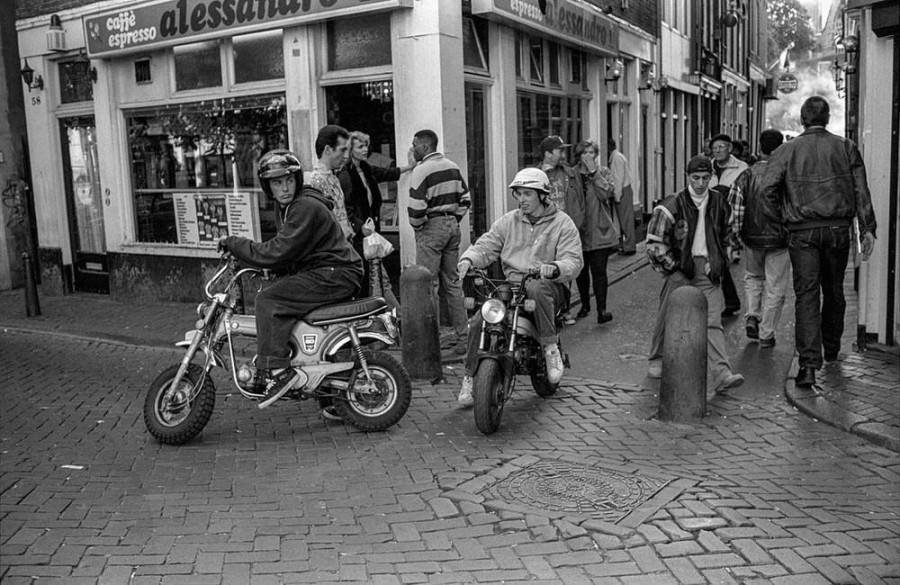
(554, 363)
(465, 392)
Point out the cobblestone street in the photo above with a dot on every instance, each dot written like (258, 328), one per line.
(756, 493)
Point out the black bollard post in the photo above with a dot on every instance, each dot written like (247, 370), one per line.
(32, 305)
(419, 335)
(682, 390)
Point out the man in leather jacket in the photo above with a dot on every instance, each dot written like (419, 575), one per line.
(686, 240)
(315, 263)
(767, 265)
(816, 185)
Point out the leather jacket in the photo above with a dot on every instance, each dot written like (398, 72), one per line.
(757, 230)
(818, 180)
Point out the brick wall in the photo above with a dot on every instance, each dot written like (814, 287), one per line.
(644, 14)
(29, 8)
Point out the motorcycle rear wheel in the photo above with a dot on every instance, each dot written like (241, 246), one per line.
(170, 415)
(487, 388)
(384, 408)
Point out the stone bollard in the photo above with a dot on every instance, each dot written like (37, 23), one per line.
(419, 335)
(32, 304)
(682, 390)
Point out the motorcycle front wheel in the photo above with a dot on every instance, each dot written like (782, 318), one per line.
(487, 388)
(174, 416)
(376, 409)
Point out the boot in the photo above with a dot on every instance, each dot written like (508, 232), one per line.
(806, 378)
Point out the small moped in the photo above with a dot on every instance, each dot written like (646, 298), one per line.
(336, 353)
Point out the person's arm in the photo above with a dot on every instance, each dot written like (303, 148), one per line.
(575, 199)
(569, 255)
(736, 203)
(418, 206)
(771, 185)
(618, 169)
(488, 247)
(659, 240)
(294, 240)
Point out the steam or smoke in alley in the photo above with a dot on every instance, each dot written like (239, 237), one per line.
(816, 78)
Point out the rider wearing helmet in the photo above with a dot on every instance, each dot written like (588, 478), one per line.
(315, 264)
(535, 236)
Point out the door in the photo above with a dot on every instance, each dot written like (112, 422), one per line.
(476, 150)
(84, 201)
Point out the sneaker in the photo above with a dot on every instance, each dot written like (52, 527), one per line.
(465, 392)
(654, 369)
(277, 385)
(732, 381)
(569, 320)
(752, 327)
(767, 343)
(331, 413)
(554, 363)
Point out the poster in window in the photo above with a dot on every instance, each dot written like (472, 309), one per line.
(203, 218)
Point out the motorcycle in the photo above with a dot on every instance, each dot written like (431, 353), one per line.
(334, 353)
(508, 346)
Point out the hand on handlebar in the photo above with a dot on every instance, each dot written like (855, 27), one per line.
(221, 247)
(463, 268)
(549, 271)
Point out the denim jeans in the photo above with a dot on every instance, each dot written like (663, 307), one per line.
(437, 249)
(717, 365)
(819, 259)
(548, 297)
(765, 283)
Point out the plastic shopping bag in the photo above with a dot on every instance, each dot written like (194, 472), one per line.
(376, 246)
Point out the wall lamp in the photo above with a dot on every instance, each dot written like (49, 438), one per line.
(31, 80)
(731, 16)
(851, 48)
(614, 70)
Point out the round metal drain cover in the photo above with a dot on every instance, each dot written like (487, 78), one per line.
(559, 486)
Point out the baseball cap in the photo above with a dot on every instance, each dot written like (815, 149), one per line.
(551, 142)
(699, 164)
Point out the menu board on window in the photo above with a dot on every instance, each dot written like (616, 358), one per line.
(202, 218)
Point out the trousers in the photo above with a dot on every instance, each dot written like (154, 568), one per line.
(767, 271)
(595, 262)
(279, 306)
(437, 249)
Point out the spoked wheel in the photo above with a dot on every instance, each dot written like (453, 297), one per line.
(380, 405)
(487, 388)
(174, 416)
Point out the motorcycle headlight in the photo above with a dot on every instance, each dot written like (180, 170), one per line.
(493, 311)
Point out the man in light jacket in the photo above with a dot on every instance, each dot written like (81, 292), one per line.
(536, 236)
(624, 194)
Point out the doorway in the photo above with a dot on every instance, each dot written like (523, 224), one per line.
(84, 201)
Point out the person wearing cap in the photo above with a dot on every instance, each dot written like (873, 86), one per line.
(767, 265)
(438, 200)
(686, 240)
(534, 236)
(816, 185)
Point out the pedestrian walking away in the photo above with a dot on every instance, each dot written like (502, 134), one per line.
(686, 240)
(599, 232)
(726, 169)
(816, 185)
(766, 261)
(535, 236)
(312, 258)
(624, 194)
(438, 200)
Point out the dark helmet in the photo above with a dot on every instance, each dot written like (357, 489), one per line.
(278, 163)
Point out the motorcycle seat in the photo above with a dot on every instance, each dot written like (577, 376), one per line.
(346, 311)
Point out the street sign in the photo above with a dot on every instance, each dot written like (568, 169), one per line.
(788, 83)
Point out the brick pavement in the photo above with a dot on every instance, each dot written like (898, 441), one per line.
(281, 496)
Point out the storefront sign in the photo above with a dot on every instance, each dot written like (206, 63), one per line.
(788, 83)
(574, 23)
(179, 21)
(202, 218)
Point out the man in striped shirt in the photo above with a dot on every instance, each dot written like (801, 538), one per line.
(438, 200)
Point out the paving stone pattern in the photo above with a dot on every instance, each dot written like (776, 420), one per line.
(765, 494)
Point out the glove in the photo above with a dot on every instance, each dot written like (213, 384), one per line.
(222, 246)
(549, 271)
(463, 268)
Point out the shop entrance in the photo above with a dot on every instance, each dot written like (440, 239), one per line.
(476, 151)
(84, 202)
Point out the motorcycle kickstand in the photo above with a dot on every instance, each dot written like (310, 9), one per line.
(359, 354)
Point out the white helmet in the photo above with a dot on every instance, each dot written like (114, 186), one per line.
(531, 178)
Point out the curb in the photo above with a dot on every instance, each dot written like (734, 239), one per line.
(122, 340)
(813, 404)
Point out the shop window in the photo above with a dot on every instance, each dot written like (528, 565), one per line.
(475, 44)
(198, 66)
(75, 83)
(363, 41)
(258, 57)
(194, 169)
(540, 115)
(536, 59)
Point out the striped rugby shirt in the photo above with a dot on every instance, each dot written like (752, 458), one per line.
(436, 186)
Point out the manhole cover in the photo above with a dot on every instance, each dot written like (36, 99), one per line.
(559, 486)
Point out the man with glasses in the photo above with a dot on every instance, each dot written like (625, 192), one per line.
(726, 169)
(686, 240)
